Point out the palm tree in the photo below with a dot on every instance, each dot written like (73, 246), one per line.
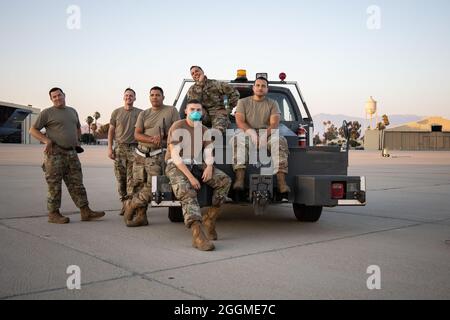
(89, 121)
(96, 116)
(94, 125)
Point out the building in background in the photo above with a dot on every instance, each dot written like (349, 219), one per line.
(15, 123)
(429, 134)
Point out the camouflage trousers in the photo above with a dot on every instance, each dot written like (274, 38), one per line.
(218, 121)
(185, 193)
(143, 170)
(64, 165)
(241, 148)
(123, 169)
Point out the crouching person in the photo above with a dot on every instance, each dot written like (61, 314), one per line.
(185, 144)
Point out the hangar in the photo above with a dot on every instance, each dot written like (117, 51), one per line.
(431, 134)
(15, 122)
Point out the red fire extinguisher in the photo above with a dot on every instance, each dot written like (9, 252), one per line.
(301, 133)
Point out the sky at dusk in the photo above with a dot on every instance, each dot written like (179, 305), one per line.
(340, 52)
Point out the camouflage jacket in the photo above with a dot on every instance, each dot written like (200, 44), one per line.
(211, 93)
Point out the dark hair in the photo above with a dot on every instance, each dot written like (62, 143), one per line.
(157, 88)
(264, 79)
(194, 101)
(55, 89)
(196, 67)
(129, 89)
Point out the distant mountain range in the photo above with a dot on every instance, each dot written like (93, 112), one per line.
(337, 120)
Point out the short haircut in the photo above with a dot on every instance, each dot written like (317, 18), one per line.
(129, 89)
(194, 101)
(159, 89)
(55, 89)
(196, 67)
(264, 79)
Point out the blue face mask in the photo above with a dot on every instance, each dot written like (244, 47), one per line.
(195, 116)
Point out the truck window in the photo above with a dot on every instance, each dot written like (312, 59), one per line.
(287, 113)
(286, 108)
(281, 95)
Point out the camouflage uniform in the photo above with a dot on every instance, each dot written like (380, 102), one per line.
(145, 167)
(279, 155)
(62, 125)
(123, 168)
(184, 191)
(123, 121)
(142, 172)
(211, 94)
(64, 165)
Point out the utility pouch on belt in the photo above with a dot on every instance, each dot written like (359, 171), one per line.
(197, 171)
(79, 149)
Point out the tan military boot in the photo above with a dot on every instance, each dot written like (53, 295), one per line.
(282, 186)
(122, 211)
(140, 219)
(199, 239)
(239, 179)
(56, 217)
(209, 222)
(129, 211)
(87, 214)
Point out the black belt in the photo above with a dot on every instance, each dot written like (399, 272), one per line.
(66, 149)
(77, 149)
(128, 144)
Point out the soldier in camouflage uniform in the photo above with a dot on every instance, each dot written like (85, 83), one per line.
(186, 141)
(121, 129)
(60, 157)
(148, 155)
(211, 94)
(254, 113)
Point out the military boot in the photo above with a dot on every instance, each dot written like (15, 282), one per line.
(87, 214)
(239, 179)
(282, 186)
(129, 211)
(122, 211)
(199, 239)
(56, 217)
(209, 221)
(140, 219)
(124, 200)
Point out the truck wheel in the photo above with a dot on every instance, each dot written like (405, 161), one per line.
(307, 213)
(175, 214)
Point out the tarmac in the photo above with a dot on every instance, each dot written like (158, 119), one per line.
(404, 231)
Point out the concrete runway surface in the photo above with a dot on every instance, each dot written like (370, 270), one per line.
(404, 230)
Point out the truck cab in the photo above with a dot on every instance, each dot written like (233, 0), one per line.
(317, 174)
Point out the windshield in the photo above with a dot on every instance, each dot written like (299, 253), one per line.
(285, 94)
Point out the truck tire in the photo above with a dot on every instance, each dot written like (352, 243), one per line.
(176, 214)
(307, 213)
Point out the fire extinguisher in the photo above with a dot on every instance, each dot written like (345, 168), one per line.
(301, 133)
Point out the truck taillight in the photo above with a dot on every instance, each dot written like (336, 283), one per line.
(301, 133)
(337, 190)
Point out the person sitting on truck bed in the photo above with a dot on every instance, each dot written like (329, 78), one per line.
(211, 95)
(182, 150)
(259, 112)
(148, 159)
